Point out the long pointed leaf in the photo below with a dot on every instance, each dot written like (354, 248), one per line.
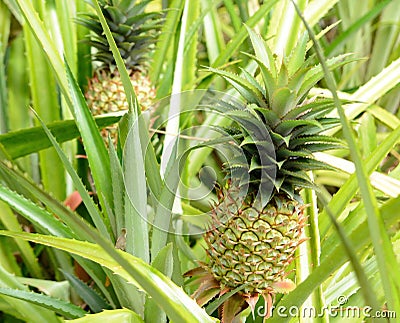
(126, 81)
(114, 316)
(17, 146)
(384, 252)
(93, 142)
(58, 306)
(94, 212)
(88, 295)
(137, 242)
(178, 306)
(38, 216)
(333, 258)
(237, 40)
(28, 312)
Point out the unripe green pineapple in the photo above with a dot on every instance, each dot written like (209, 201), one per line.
(256, 244)
(254, 235)
(134, 32)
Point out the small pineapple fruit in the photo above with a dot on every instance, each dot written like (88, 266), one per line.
(253, 236)
(134, 32)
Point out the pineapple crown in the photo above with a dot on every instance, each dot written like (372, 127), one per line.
(276, 96)
(134, 31)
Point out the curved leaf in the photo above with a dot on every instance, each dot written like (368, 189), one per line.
(17, 146)
(94, 145)
(98, 220)
(114, 316)
(357, 25)
(316, 73)
(251, 93)
(175, 302)
(88, 295)
(35, 214)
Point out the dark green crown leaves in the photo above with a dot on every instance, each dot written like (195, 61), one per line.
(134, 31)
(246, 89)
(277, 102)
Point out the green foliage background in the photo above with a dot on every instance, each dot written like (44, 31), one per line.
(353, 224)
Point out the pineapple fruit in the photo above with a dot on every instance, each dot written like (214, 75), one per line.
(134, 32)
(253, 236)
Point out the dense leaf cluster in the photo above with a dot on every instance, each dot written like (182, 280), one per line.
(133, 29)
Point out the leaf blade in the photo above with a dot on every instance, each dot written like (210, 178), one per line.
(178, 306)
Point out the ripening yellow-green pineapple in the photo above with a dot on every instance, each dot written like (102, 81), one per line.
(252, 239)
(134, 31)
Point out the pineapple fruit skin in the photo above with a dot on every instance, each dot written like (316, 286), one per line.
(106, 94)
(253, 245)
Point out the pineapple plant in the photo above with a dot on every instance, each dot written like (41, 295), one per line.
(134, 31)
(253, 236)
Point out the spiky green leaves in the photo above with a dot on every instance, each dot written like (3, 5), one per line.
(277, 97)
(134, 31)
(252, 163)
(285, 81)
